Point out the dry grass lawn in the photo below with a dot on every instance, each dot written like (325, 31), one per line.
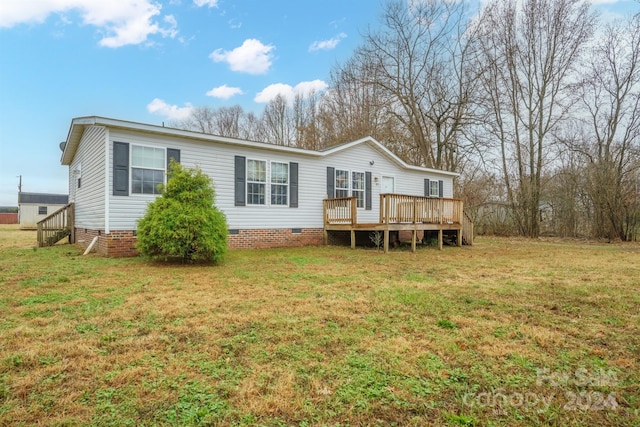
(507, 332)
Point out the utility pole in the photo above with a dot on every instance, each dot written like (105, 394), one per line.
(20, 184)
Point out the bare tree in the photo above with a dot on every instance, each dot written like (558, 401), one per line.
(529, 51)
(353, 107)
(611, 98)
(228, 120)
(276, 119)
(418, 57)
(201, 119)
(308, 133)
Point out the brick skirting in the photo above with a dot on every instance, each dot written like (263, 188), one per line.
(274, 238)
(118, 243)
(121, 243)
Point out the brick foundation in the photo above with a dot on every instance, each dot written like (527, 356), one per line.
(275, 238)
(121, 243)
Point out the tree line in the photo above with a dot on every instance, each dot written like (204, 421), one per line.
(536, 103)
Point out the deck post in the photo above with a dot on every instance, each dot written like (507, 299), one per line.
(353, 238)
(386, 240)
(354, 211)
(440, 239)
(459, 236)
(414, 233)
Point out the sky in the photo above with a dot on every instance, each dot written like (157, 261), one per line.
(151, 61)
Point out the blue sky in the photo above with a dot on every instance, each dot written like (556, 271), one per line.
(151, 60)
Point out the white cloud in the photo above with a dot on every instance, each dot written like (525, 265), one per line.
(124, 22)
(208, 3)
(289, 92)
(252, 57)
(224, 92)
(173, 112)
(327, 44)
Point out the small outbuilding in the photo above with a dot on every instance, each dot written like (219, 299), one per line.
(34, 207)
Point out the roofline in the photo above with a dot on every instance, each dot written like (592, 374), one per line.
(29, 193)
(79, 123)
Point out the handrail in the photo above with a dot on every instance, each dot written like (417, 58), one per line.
(401, 208)
(397, 209)
(342, 210)
(56, 226)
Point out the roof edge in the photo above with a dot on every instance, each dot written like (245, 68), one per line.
(79, 123)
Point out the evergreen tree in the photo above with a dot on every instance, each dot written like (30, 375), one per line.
(184, 224)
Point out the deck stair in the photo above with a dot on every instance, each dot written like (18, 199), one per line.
(57, 226)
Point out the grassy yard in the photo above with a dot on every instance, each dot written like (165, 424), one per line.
(507, 332)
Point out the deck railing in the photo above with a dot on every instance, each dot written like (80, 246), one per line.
(342, 210)
(399, 208)
(56, 226)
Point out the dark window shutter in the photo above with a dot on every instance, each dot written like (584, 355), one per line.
(427, 188)
(331, 182)
(120, 169)
(367, 191)
(172, 153)
(293, 185)
(440, 188)
(240, 173)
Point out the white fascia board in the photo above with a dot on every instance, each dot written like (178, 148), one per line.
(78, 124)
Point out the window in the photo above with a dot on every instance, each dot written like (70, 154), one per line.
(434, 189)
(256, 182)
(357, 187)
(147, 169)
(342, 183)
(252, 180)
(42, 210)
(279, 183)
(351, 184)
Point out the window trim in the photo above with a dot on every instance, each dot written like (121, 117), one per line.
(131, 167)
(363, 191)
(287, 185)
(349, 189)
(247, 181)
(431, 188)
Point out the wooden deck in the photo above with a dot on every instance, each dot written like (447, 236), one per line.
(401, 213)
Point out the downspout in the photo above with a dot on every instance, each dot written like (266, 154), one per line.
(106, 181)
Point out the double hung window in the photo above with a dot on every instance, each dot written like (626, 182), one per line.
(147, 169)
(279, 183)
(256, 182)
(342, 183)
(357, 187)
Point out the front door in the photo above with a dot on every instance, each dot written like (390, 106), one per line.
(388, 184)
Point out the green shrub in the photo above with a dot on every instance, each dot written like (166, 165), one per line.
(184, 224)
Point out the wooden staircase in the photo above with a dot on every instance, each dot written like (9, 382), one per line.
(57, 226)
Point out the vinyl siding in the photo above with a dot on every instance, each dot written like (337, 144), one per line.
(358, 158)
(218, 160)
(89, 198)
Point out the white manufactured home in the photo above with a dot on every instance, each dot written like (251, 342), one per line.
(271, 195)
